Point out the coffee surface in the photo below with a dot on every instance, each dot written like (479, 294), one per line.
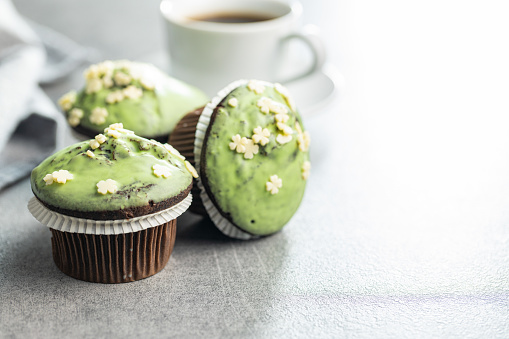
(233, 18)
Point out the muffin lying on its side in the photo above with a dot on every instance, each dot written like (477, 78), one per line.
(138, 95)
(251, 151)
(111, 204)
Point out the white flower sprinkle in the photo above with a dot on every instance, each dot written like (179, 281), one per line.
(147, 84)
(101, 138)
(94, 85)
(107, 186)
(306, 168)
(75, 116)
(251, 149)
(94, 144)
(238, 143)
(173, 151)
(67, 100)
(233, 102)
(261, 136)
(161, 171)
(98, 115)
(256, 86)
(122, 79)
(283, 139)
(191, 169)
(113, 133)
(48, 178)
(274, 184)
(115, 96)
(132, 92)
(287, 130)
(61, 176)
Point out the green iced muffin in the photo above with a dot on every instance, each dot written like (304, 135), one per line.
(138, 95)
(254, 159)
(117, 175)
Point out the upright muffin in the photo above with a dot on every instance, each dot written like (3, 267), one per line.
(252, 153)
(111, 204)
(138, 95)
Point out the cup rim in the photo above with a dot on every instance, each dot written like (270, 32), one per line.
(294, 12)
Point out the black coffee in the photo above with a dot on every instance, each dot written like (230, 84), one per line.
(233, 18)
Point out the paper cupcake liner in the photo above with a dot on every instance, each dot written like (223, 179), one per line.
(223, 224)
(182, 139)
(114, 258)
(65, 223)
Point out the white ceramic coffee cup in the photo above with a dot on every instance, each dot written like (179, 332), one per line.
(212, 54)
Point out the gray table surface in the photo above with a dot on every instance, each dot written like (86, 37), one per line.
(404, 227)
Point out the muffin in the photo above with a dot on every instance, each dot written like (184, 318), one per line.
(252, 153)
(111, 204)
(138, 95)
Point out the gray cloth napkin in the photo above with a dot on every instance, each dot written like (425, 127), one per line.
(31, 127)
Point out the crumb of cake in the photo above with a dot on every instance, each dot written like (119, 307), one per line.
(90, 154)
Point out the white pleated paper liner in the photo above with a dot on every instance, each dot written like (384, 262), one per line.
(65, 223)
(223, 224)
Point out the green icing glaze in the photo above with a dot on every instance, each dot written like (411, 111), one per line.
(155, 113)
(128, 160)
(236, 184)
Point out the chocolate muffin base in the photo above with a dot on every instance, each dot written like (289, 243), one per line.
(125, 213)
(182, 139)
(113, 259)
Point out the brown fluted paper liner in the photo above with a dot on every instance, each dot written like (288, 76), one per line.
(115, 258)
(182, 138)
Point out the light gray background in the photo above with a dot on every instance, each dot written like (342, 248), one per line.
(404, 228)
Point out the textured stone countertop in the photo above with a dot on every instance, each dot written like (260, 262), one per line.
(404, 228)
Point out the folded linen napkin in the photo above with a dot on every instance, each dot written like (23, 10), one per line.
(31, 127)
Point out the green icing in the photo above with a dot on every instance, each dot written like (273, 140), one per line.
(128, 160)
(155, 113)
(238, 184)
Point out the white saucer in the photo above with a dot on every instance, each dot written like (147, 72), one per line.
(311, 94)
(314, 92)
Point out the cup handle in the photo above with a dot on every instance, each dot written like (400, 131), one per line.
(308, 34)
